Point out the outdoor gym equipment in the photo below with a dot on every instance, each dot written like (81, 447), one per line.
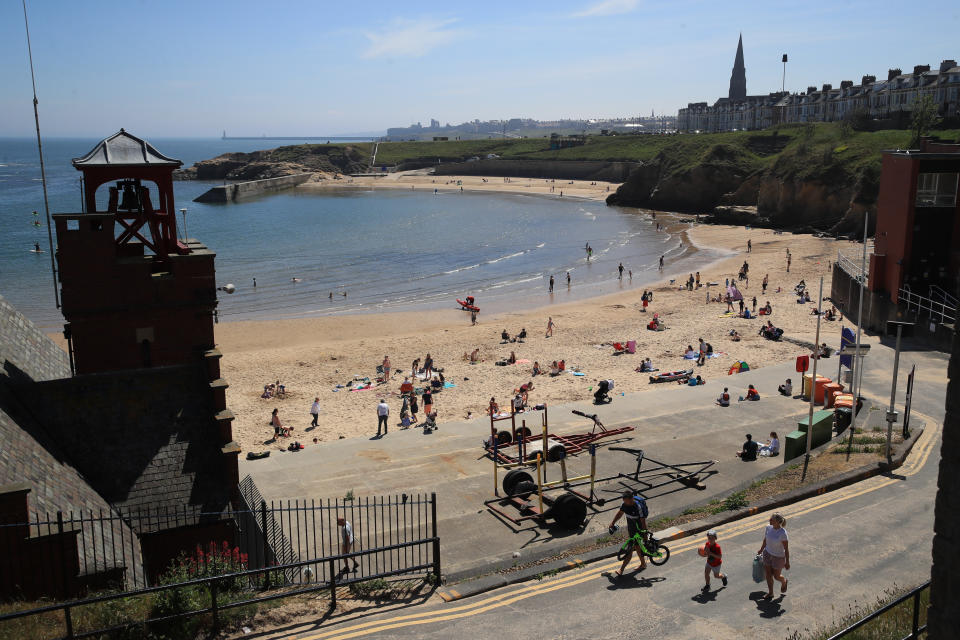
(529, 445)
(663, 473)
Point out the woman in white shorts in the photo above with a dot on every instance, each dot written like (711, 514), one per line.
(776, 553)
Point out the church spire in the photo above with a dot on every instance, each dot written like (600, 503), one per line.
(738, 79)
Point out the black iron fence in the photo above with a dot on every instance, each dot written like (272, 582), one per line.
(918, 607)
(133, 548)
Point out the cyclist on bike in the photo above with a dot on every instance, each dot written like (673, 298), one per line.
(635, 509)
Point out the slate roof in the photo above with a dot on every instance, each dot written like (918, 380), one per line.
(124, 149)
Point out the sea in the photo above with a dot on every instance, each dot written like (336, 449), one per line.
(386, 249)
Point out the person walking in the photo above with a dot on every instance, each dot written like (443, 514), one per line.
(714, 557)
(383, 413)
(749, 246)
(550, 327)
(703, 353)
(473, 317)
(766, 281)
(386, 368)
(635, 509)
(315, 411)
(415, 368)
(346, 543)
(789, 258)
(620, 269)
(661, 263)
(414, 409)
(775, 552)
(427, 399)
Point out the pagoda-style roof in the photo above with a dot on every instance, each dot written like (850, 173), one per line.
(123, 149)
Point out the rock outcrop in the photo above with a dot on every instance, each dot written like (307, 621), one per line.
(275, 163)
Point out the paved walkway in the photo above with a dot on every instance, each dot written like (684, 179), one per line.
(674, 424)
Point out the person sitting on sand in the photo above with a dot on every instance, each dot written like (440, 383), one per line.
(646, 366)
(517, 403)
(806, 296)
(266, 392)
(831, 314)
(435, 384)
(752, 393)
(494, 408)
(512, 359)
(693, 382)
(278, 428)
(522, 335)
(554, 369)
(536, 371)
(475, 356)
(690, 354)
(505, 337)
(406, 387)
(767, 309)
(786, 389)
(734, 335)
(724, 399)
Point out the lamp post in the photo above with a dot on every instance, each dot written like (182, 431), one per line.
(813, 384)
(891, 411)
(783, 84)
(183, 212)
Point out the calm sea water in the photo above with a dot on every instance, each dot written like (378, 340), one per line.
(387, 249)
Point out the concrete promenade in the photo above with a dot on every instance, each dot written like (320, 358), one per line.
(674, 424)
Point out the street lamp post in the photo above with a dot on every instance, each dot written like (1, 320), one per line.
(813, 384)
(784, 82)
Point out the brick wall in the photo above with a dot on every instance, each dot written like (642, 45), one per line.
(25, 349)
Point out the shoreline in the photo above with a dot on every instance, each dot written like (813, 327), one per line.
(311, 356)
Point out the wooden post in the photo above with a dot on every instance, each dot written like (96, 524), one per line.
(333, 584)
(539, 483)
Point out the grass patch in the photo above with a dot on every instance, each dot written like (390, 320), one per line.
(896, 623)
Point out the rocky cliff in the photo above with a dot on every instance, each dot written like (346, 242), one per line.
(282, 161)
(792, 181)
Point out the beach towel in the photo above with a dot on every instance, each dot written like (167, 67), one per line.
(448, 385)
(523, 361)
(691, 356)
(577, 373)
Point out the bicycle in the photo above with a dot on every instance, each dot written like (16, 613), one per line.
(646, 544)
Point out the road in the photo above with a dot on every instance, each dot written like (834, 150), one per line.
(848, 548)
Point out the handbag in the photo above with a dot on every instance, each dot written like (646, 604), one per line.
(757, 569)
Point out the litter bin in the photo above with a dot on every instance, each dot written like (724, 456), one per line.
(842, 416)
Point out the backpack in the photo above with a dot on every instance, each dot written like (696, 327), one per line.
(642, 505)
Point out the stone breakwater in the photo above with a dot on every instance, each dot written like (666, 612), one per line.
(241, 190)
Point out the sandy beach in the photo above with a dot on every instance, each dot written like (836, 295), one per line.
(312, 356)
(420, 179)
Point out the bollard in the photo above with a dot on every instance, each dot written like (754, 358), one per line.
(333, 584)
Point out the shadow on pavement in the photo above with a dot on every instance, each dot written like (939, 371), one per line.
(630, 581)
(768, 608)
(705, 597)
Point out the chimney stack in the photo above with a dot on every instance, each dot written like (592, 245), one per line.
(947, 64)
(827, 87)
(868, 80)
(893, 73)
(811, 90)
(846, 84)
(921, 68)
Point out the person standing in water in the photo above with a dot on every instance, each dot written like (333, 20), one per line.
(568, 279)
(620, 269)
(551, 283)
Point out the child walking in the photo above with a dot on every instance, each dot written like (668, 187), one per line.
(714, 559)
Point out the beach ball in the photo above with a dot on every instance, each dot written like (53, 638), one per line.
(702, 551)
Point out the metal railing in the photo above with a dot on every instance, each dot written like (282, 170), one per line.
(915, 627)
(851, 264)
(125, 549)
(936, 292)
(937, 311)
(384, 538)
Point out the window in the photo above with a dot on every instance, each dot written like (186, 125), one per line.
(937, 189)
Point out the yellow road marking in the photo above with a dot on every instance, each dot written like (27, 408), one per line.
(921, 452)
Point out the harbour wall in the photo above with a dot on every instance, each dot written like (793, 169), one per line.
(240, 190)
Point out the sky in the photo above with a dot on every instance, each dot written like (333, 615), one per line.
(301, 68)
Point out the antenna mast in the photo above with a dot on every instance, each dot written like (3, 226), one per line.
(43, 171)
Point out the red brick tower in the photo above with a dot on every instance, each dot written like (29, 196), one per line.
(134, 295)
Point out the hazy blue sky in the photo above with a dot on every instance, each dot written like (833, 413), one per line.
(179, 68)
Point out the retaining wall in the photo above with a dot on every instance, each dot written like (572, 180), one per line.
(240, 190)
(558, 169)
